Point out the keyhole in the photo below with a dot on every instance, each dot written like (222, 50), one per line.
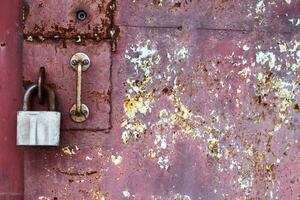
(81, 15)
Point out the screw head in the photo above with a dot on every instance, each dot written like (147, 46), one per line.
(73, 112)
(86, 62)
(74, 62)
(84, 112)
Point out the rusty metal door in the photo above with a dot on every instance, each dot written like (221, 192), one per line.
(189, 99)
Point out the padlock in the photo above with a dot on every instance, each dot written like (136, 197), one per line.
(38, 128)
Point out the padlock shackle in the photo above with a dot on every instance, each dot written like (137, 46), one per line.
(30, 92)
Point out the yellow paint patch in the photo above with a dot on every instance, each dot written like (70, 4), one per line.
(68, 150)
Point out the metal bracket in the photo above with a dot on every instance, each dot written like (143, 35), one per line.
(80, 62)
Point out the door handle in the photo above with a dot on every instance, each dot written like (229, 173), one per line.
(80, 62)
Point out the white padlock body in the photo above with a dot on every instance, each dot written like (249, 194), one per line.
(38, 128)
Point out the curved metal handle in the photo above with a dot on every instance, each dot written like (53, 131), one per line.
(80, 62)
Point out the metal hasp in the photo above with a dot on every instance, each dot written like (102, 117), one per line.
(41, 82)
(79, 112)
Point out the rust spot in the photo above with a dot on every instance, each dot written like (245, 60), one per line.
(71, 180)
(25, 11)
(113, 30)
(168, 90)
(177, 4)
(88, 173)
(157, 2)
(59, 32)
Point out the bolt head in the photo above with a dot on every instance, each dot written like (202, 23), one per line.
(84, 112)
(73, 112)
(86, 62)
(74, 62)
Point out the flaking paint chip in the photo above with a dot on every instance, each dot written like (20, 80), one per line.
(126, 193)
(116, 159)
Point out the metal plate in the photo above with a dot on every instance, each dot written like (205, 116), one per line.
(55, 18)
(55, 57)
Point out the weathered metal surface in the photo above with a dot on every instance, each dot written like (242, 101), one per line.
(58, 19)
(11, 157)
(230, 14)
(55, 57)
(196, 113)
(235, 15)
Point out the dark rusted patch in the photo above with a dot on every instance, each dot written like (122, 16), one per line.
(69, 173)
(114, 30)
